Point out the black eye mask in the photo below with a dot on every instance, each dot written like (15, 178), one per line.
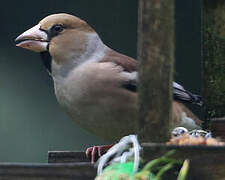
(53, 31)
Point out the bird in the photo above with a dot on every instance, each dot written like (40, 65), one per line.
(96, 85)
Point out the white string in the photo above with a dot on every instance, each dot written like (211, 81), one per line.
(119, 155)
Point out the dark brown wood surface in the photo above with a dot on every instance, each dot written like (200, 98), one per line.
(218, 128)
(213, 55)
(155, 55)
(67, 157)
(206, 162)
(34, 171)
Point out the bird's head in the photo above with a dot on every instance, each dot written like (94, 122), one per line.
(63, 36)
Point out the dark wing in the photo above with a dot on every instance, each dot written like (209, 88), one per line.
(130, 85)
(180, 94)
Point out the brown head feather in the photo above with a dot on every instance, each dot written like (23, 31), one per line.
(67, 20)
(72, 41)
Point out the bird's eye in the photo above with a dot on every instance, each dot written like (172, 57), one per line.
(57, 28)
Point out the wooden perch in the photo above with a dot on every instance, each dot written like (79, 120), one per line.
(66, 157)
(155, 54)
(26, 171)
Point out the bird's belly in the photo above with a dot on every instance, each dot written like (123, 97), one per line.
(108, 114)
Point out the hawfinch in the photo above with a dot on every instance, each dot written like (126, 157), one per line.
(93, 83)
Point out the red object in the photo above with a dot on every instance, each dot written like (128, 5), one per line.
(97, 151)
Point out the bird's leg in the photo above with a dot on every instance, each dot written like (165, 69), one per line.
(97, 151)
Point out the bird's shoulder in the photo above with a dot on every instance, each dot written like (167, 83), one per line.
(127, 63)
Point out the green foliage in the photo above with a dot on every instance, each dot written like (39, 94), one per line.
(157, 169)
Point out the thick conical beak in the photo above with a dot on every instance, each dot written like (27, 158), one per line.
(33, 39)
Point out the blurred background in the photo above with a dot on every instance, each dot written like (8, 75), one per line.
(31, 121)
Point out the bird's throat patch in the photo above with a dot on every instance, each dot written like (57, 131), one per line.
(47, 60)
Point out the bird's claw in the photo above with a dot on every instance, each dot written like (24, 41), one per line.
(97, 151)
